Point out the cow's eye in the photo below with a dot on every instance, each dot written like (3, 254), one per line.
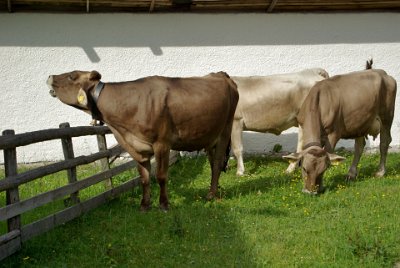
(72, 76)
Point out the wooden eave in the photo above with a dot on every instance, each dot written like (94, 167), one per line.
(216, 6)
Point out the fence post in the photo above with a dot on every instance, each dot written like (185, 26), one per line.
(12, 194)
(102, 144)
(68, 151)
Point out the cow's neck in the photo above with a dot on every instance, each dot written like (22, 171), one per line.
(93, 100)
(311, 131)
(311, 126)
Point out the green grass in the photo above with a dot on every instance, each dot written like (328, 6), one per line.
(259, 220)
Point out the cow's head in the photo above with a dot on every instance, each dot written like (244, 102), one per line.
(73, 88)
(314, 161)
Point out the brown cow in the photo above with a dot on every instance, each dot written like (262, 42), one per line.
(349, 106)
(152, 115)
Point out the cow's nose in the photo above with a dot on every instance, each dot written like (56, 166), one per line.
(52, 93)
(306, 191)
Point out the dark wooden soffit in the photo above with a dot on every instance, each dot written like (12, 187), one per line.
(275, 6)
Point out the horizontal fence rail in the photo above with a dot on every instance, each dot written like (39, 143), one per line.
(12, 212)
(17, 140)
(28, 176)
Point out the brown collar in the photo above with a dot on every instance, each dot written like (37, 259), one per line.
(97, 91)
(313, 143)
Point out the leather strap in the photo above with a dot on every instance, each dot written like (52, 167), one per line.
(313, 143)
(97, 91)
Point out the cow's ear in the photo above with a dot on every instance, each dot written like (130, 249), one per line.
(82, 97)
(293, 157)
(335, 159)
(94, 76)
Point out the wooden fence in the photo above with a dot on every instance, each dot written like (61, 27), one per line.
(17, 233)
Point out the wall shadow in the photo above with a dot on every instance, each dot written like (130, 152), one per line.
(155, 31)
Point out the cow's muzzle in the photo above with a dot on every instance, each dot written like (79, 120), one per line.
(316, 191)
(309, 192)
(52, 92)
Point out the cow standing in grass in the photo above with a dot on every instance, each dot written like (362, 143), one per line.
(349, 106)
(270, 104)
(152, 115)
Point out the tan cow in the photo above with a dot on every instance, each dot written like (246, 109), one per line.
(151, 116)
(349, 106)
(270, 104)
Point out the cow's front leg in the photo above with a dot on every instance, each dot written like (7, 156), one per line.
(359, 144)
(161, 153)
(292, 166)
(144, 171)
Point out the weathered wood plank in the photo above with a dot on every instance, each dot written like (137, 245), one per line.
(23, 139)
(9, 236)
(10, 243)
(12, 194)
(68, 151)
(102, 145)
(13, 181)
(10, 247)
(44, 198)
(48, 223)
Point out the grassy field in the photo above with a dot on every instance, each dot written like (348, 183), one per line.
(259, 220)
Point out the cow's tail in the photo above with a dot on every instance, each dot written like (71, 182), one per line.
(227, 155)
(368, 65)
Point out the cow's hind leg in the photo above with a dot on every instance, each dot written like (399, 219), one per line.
(217, 157)
(144, 171)
(385, 140)
(359, 144)
(237, 145)
(214, 184)
(161, 153)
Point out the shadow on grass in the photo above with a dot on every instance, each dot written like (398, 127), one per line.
(367, 168)
(118, 235)
(263, 175)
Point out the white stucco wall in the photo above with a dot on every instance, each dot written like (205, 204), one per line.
(129, 46)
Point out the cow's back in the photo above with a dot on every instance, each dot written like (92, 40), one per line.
(270, 103)
(200, 109)
(349, 104)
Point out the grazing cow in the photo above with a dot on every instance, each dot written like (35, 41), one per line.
(270, 104)
(349, 106)
(152, 115)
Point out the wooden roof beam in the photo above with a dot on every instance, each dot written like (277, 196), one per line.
(9, 6)
(152, 4)
(271, 6)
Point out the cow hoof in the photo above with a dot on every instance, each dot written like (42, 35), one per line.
(164, 207)
(145, 208)
(351, 177)
(210, 196)
(290, 169)
(239, 173)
